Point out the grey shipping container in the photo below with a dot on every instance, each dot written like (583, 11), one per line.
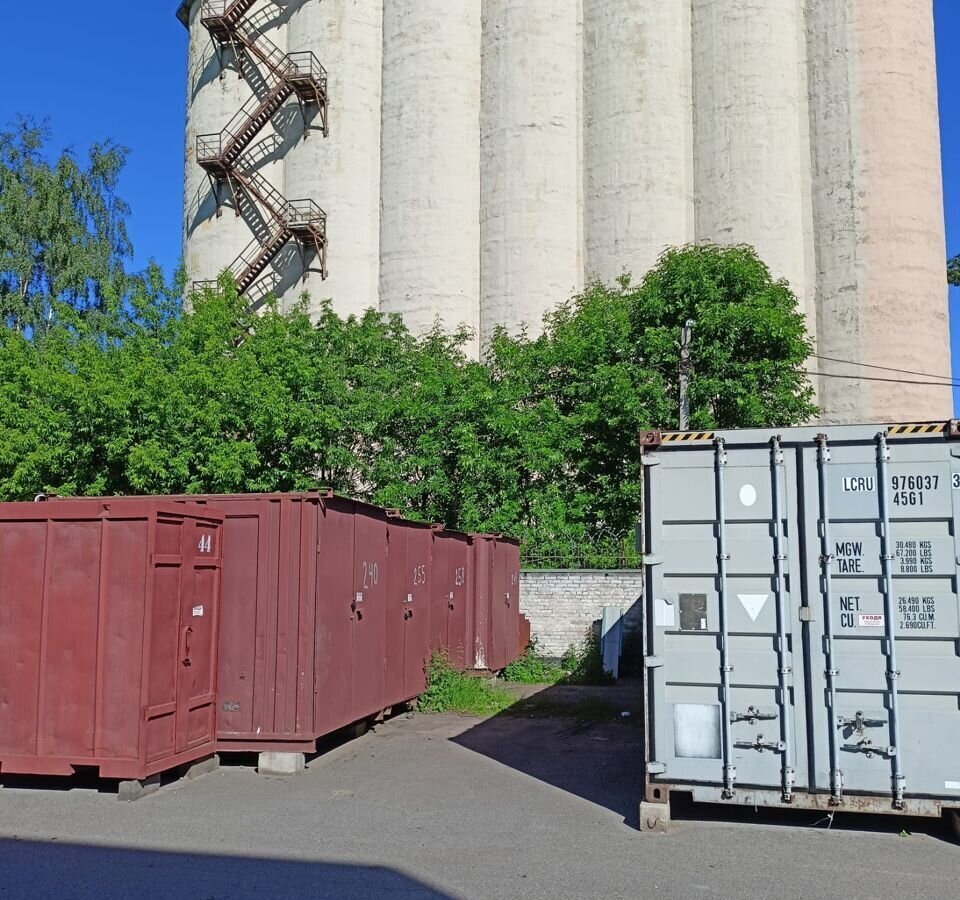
(802, 628)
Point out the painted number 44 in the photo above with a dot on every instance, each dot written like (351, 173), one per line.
(206, 543)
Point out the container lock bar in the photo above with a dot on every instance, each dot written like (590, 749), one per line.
(784, 668)
(890, 617)
(830, 672)
(729, 770)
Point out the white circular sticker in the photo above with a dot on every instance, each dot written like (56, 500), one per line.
(748, 495)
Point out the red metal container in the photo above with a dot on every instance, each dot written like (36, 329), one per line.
(302, 641)
(108, 623)
(452, 595)
(408, 608)
(496, 602)
(303, 617)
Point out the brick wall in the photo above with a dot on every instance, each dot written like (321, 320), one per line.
(562, 605)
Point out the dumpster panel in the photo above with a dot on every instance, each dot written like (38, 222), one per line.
(105, 681)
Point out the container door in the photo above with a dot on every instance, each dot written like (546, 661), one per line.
(199, 609)
(723, 650)
(441, 595)
(336, 597)
(396, 607)
(509, 555)
(885, 682)
(459, 576)
(369, 615)
(482, 558)
(416, 649)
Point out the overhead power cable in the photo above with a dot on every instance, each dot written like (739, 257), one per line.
(952, 384)
(850, 362)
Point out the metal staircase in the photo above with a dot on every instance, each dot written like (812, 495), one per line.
(222, 154)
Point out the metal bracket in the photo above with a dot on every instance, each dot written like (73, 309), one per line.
(653, 662)
(870, 749)
(752, 715)
(761, 744)
(656, 768)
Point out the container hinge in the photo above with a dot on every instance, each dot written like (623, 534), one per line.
(652, 560)
(752, 715)
(656, 768)
(806, 614)
(653, 662)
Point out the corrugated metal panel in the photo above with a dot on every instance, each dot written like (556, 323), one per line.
(497, 602)
(452, 589)
(108, 624)
(803, 619)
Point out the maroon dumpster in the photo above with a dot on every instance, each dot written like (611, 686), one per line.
(452, 590)
(108, 624)
(496, 602)
(303, 618)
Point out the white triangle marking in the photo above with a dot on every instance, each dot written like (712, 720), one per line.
(753, 604)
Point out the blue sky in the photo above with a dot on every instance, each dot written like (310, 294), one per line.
(100, 73)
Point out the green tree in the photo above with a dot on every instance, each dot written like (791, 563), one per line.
(570, 403)
(953, 271)
(63, 238)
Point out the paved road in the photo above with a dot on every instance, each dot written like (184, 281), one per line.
(443, 806)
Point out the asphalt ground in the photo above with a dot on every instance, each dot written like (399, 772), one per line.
(446, 806)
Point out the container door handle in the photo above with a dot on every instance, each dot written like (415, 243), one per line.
(187, 634)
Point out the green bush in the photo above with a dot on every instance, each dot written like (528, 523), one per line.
(583, 664)
(451, 691)
(533, 668)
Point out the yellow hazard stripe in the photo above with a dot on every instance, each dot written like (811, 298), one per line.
(686, 437)
(916, 429)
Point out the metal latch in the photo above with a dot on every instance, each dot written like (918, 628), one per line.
(762, 744)
(858, 723)
(752, 715)
(870, 749)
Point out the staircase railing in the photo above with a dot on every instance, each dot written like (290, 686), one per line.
(221, 154)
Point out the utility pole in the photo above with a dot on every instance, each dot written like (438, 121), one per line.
(686, 369)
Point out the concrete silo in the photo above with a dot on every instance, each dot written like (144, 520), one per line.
(485, 157)
(342, 170)
(530, 237)
(638, 123)
(749, 108)
(878, 204)
(430, 163)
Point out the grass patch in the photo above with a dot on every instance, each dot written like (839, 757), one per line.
(451, 691)
(533, 668)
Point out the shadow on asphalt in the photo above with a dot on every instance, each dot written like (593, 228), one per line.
(602, 761)
(86, 872)
(594, 757)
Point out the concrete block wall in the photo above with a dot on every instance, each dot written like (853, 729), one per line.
(562, 604)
